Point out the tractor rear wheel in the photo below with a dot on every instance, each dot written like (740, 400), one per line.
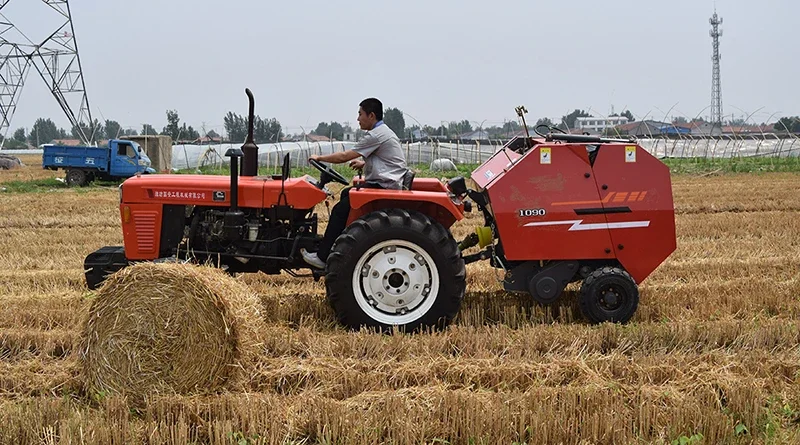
(76, 178)
(395, 268)
(609, 294)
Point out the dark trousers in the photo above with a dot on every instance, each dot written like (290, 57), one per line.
(338, 220)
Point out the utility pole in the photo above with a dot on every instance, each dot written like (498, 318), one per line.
(716, 82)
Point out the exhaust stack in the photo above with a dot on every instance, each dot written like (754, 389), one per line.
(250, 149)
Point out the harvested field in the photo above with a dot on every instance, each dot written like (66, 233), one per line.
(714, 349)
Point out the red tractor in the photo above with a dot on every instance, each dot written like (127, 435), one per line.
(557, 209)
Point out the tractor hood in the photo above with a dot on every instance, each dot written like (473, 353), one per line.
(254, 192)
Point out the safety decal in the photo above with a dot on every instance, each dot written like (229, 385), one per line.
(630, 154)
(544, 155)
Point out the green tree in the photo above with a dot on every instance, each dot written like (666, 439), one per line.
(629, 115)
(212, 134)
(544, 121)
(113, 129)
(94, 132)
(19, 135)
(236, 127)
(332, 130)
(188, 133)
(570, 119)
(173, 125)
(393, 117)
(455, 129)
(13, 143)
(790, 124)
(264, 130)
(148, 130)
(430, 131)
(267, 130)
(679, 120)
(43, 131)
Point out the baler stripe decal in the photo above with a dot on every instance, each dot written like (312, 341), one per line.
(601, 210)
(617, 197)
(577, 226)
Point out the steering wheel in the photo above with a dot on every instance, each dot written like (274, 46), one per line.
(327, 170)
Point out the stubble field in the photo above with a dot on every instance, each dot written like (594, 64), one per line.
(713, 353)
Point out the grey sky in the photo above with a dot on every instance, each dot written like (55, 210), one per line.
(308, 61)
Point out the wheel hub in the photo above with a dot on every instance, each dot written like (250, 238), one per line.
(610, 300)
(395, 282)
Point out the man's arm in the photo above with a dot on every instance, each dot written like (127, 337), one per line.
(336, 158)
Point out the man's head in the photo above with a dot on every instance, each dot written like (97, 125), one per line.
(370, 111)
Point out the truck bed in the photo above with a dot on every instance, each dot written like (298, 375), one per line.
(57, 156)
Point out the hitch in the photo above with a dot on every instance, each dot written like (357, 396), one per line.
(480, 256)
(317, 274)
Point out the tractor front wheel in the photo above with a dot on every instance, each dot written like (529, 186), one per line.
(395, 268)
(609, 294)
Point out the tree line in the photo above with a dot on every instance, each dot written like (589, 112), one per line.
(269, 130)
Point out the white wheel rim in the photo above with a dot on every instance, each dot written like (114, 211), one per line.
(395, 282)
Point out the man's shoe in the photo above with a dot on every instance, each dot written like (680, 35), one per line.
(312, 259)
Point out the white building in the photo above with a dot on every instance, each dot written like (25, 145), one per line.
(598, 124)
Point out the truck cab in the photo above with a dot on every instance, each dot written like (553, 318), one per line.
(127, 159)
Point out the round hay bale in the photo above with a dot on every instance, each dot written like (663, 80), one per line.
(169, 328)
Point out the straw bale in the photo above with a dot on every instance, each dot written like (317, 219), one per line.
(169, 328)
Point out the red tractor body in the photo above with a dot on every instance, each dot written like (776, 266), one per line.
(557, 210)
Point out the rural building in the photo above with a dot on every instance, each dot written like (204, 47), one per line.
(598, 124)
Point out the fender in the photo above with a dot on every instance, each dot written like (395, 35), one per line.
(427, 196)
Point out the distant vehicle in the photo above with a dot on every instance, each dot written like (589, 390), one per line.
(119, 160)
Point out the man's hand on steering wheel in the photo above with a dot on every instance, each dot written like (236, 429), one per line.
(326, 170)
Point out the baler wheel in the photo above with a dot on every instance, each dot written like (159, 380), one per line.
(609, 294)
(395, 268)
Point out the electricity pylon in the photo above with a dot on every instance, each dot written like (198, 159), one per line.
(58, 63)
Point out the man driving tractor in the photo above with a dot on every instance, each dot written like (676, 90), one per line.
(383, 164)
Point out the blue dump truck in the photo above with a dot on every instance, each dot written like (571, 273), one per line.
(121, 159)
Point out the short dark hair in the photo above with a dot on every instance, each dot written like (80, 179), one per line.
(372, 105)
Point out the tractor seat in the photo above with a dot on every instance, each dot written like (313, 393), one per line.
(408, 179)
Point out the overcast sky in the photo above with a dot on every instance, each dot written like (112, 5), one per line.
(308, 61)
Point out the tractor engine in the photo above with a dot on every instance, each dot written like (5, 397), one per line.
(255, 246)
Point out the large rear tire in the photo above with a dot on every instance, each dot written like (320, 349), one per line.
(395, 268)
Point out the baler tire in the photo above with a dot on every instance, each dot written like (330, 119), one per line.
(76, 178)
(592, 300)
(403, 239)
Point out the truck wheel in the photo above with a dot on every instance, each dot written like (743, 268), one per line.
(609, 294)
(76, 178)
(395, 268)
